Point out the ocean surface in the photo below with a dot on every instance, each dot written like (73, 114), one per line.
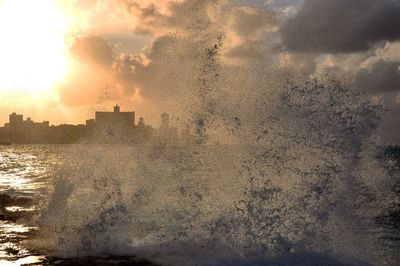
(191, 205)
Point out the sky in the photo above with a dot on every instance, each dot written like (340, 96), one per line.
(62, 60)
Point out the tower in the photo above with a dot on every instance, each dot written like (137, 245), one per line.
(141, 122)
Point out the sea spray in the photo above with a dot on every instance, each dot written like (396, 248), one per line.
(311, 184)
(302, 183)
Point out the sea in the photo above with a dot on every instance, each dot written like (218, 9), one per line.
(161, 204)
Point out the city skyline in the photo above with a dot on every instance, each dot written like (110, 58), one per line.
(114, 126)
(6, 118)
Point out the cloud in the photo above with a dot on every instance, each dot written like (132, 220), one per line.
(249, 33)
(341, 26)
(374, 71)
(211, 56)
(95, 70)
(227, 51)
(94, 50)
(300, 65)
(206, 47)
(184, 16)
(251, 23)
(164, 73)
(389, 52)
(168, 70)
(149, 18)
(381, 77)
(184, 31)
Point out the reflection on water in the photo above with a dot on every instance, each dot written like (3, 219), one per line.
(12, 238)
(28, 260)
(25, 169)
(26, 173)
(24, 184)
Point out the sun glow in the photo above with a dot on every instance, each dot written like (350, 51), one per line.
(33, 53)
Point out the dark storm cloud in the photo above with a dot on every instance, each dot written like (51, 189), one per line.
(339, 26)
(380, 78)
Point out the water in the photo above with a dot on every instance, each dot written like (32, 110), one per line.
(25, 180)
(174, 205)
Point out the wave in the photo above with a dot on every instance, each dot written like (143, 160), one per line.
(299, 183)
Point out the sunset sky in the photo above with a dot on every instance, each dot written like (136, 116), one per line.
(61, 60)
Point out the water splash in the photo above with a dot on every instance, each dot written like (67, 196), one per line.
(300, 184)
(280, 172)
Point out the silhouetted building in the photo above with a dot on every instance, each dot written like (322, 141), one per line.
(19, 131)
(116, 119)
(143, 132)
(106, 127)
(141, 122)
(90, 122)
(15, 120)
(111, 127)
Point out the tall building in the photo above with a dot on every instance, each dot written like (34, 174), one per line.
(116, 119)
(15, 121)
(113, 126)
(19, 130)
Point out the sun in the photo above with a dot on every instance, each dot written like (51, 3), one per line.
(33, 51)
